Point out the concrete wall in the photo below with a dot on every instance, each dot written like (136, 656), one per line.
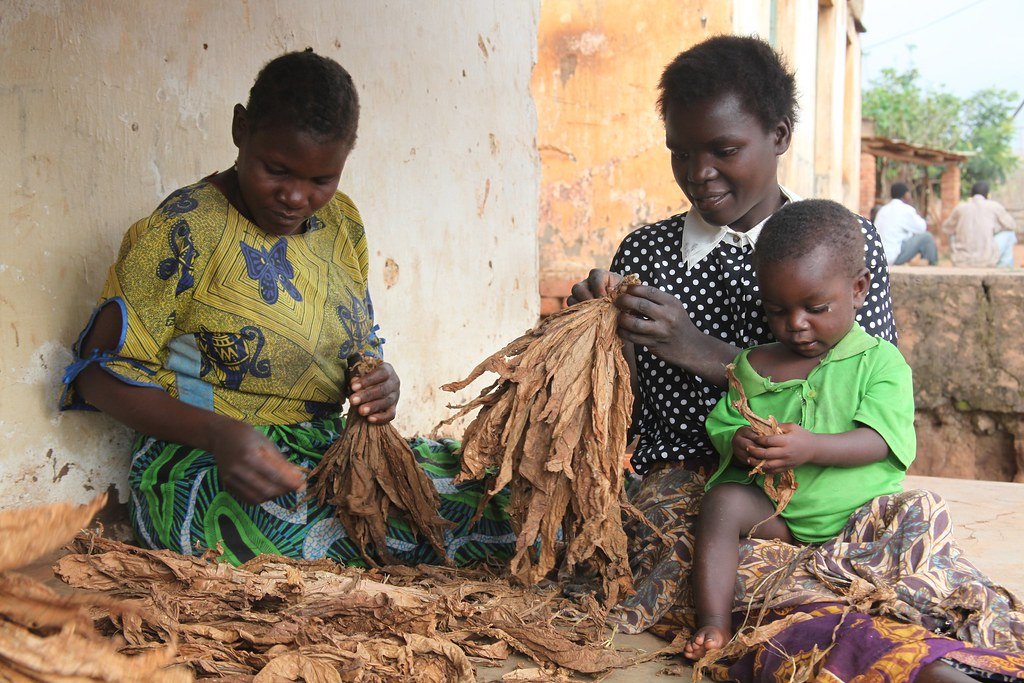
(960, 330)
(108, 106)
(605, 170)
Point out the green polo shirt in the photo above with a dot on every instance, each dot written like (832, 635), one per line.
(863, 381)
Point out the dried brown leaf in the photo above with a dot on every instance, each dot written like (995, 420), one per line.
(77, 656)
(45, 636)
(294, 666)
(30, 604)
(27, 534)
(745, 640)
(562, 408)
(369, 474)
(780, 486)
(286, 617)
(545, 645)
(534, 675)
(498, 650)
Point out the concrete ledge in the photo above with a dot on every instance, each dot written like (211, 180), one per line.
(961, 331)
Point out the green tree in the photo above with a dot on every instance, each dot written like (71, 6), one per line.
(979, 126)
(989, 133)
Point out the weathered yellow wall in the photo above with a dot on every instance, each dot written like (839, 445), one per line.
(605, 170)
(107, 106)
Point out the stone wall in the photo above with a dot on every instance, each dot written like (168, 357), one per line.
(961, 332)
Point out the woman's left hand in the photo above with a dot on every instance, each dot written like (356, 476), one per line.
(657, 320)
(376, 394)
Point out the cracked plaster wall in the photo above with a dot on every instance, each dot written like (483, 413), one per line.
(108, 106)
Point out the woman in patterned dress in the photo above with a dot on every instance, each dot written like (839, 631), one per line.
(729, 106)
(222, 337)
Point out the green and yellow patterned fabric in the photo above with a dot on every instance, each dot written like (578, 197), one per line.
(176, 501)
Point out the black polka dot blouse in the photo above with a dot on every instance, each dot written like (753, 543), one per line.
(721, 295)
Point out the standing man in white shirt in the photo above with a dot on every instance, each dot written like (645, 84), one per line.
(904, 233)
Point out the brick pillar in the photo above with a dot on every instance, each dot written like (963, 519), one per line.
(553, 291)
(867, 184)
(949, 185)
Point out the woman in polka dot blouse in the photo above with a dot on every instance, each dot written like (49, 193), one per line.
(729, 106)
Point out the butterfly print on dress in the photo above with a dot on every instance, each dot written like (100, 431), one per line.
(269, 268)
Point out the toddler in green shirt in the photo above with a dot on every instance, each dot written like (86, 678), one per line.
(843, 398)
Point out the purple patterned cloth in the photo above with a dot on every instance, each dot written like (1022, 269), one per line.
(858, 646)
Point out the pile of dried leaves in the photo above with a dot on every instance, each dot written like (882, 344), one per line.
(781, 486)
(46, 636)
(370, 473)
(275, 619)
(554, 427)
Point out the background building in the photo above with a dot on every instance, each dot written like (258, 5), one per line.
(503, 148)
(605, 169)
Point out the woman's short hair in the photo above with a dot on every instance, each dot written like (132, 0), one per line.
(745, 66)
(308, 92)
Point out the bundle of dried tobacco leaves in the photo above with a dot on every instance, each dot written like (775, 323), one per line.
(370, 473)
(781, 486)
(275, 619)
(554, 425)
(46, 636)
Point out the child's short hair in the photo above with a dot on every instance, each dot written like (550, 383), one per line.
(746, 66)
(309, 92)
(799, 228)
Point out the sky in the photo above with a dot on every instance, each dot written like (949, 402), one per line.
(961, 46)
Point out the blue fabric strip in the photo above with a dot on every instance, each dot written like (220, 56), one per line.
(186, 362)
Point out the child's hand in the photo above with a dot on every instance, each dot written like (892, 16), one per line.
(376, 394)
(794, 447)
(744, 443)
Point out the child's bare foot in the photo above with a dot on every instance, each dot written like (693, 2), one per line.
(713, 635)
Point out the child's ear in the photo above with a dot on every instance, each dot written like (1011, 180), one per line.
(783, 135)
(861, 285)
